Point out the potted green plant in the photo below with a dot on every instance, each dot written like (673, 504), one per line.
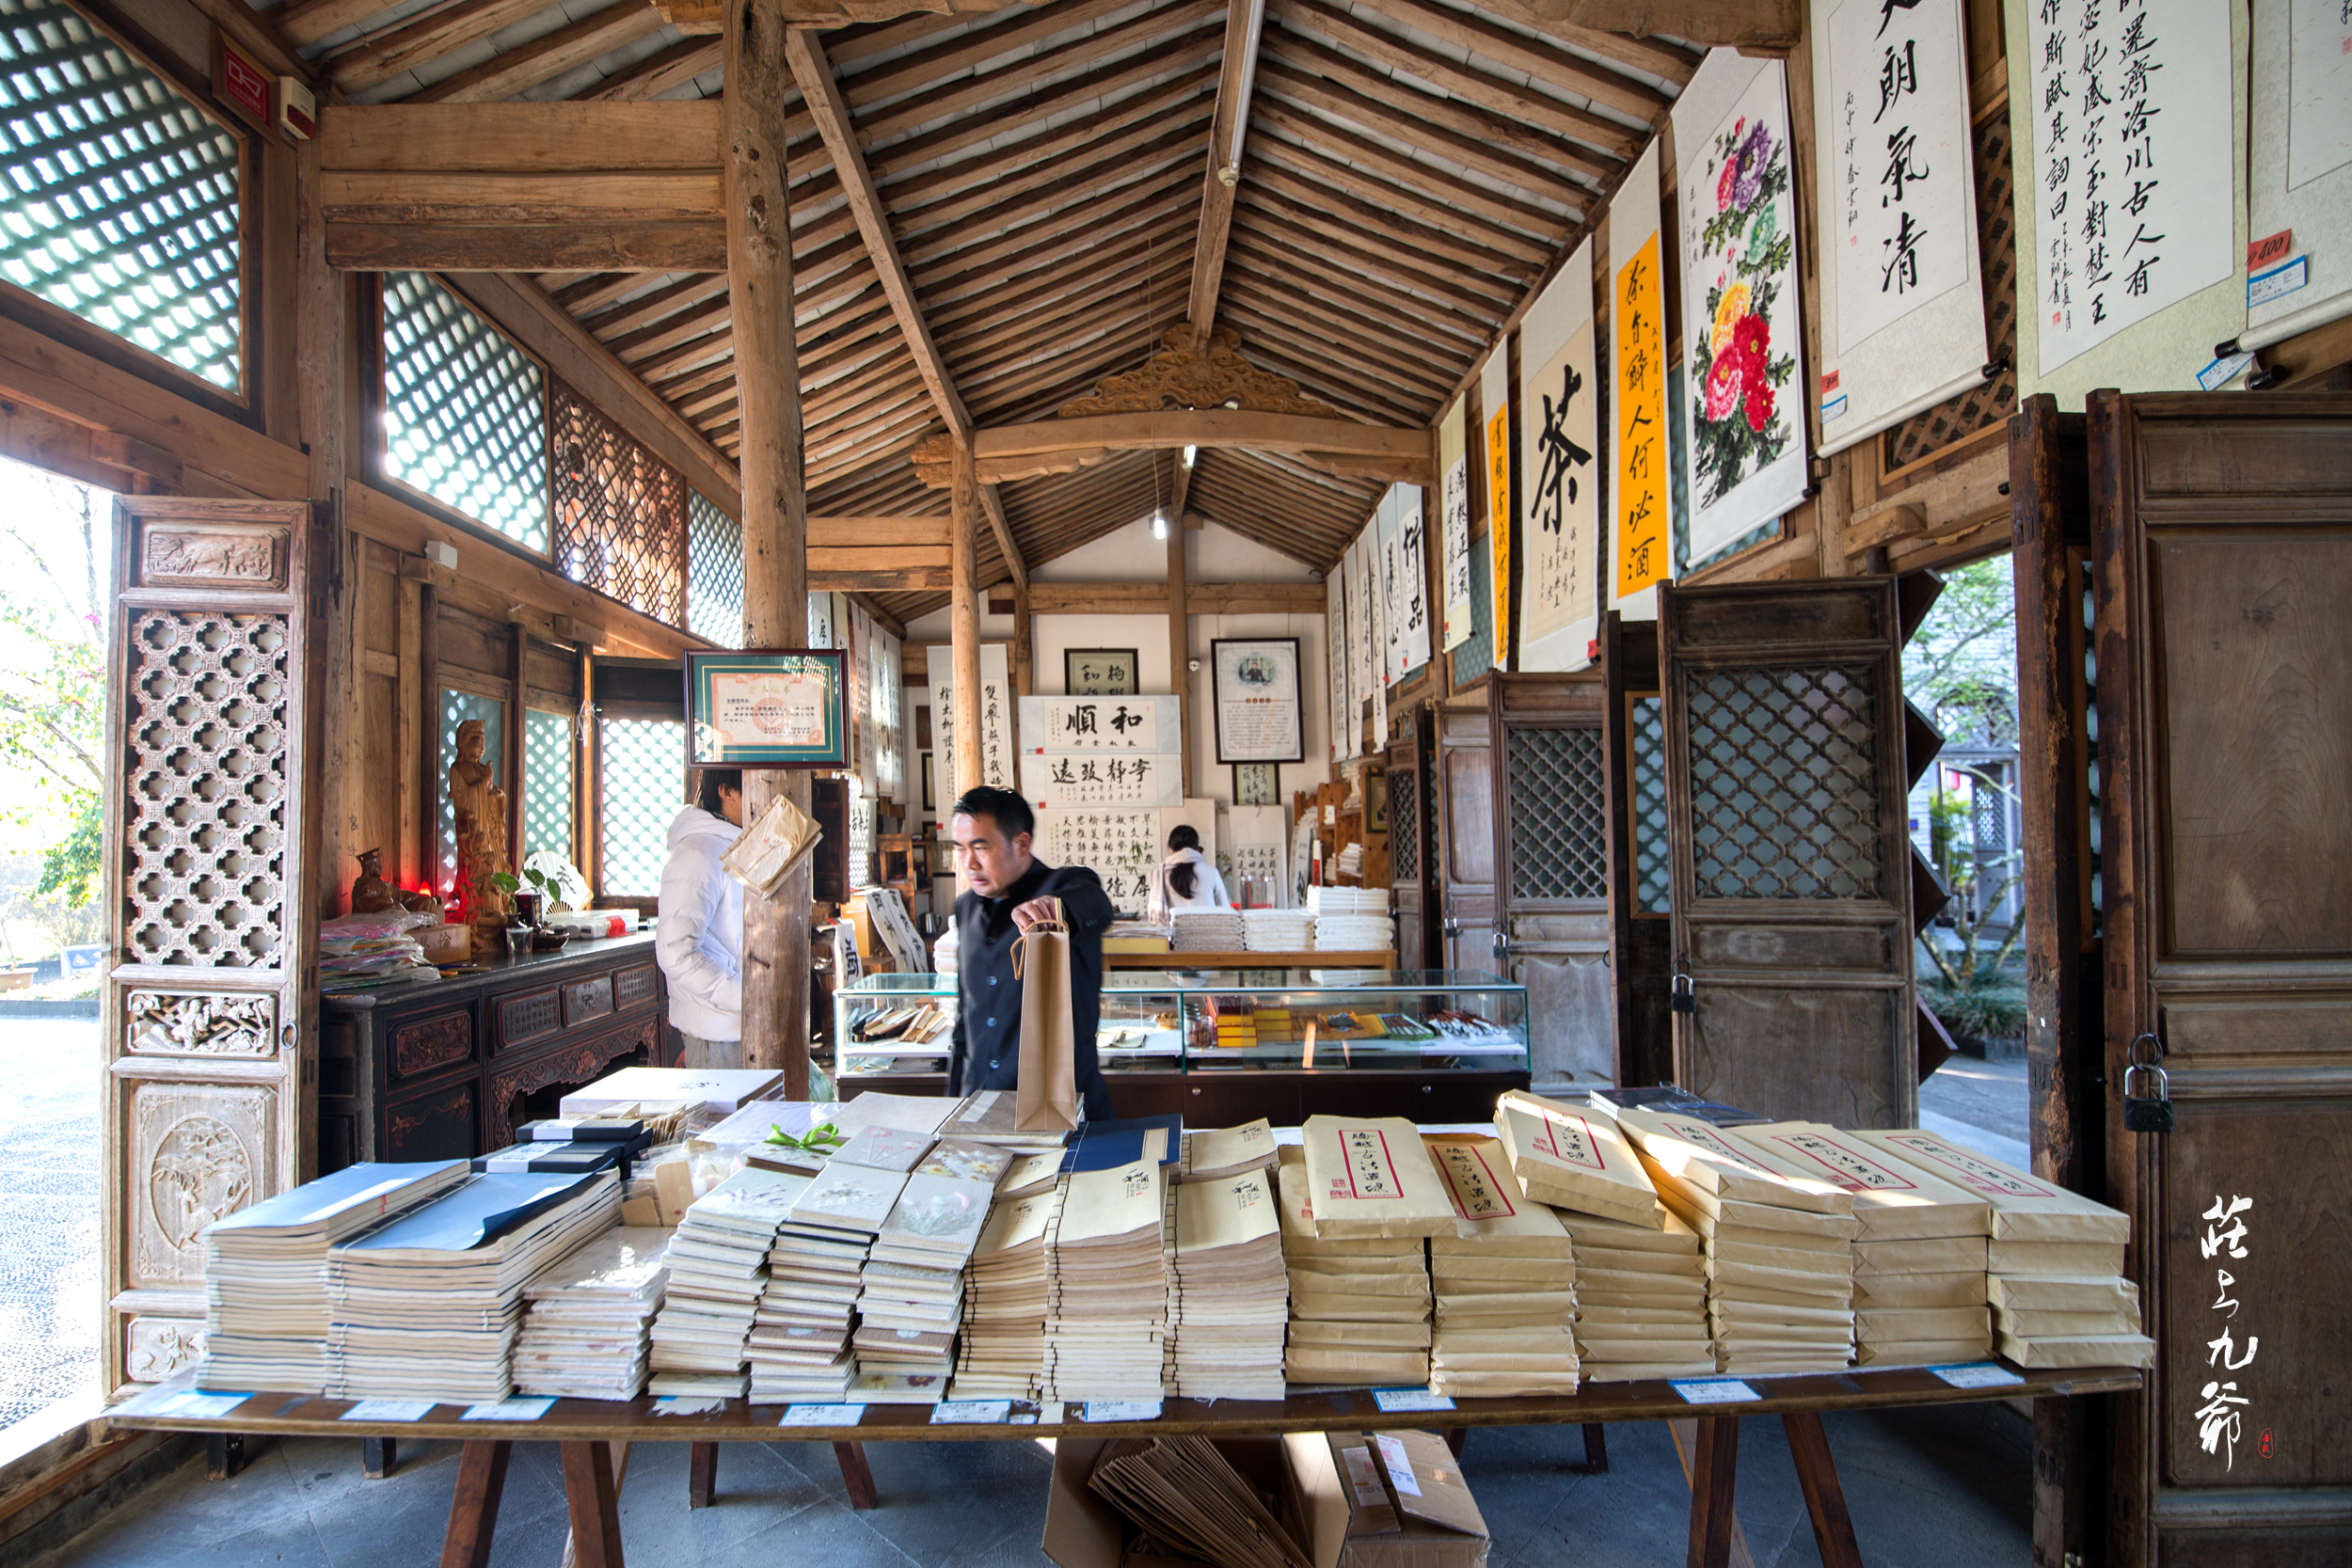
(547, 881)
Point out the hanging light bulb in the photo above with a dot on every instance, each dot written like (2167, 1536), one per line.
(1159, 524)
(1192, 455)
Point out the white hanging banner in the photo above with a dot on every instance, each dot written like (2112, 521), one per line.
(997, 716)
(1409, 629)
(1256, 838)
(1094, 778)
(1358, 639)
(1746, 454)
(1559, 447)
(1903, 304)
(1057, 724)
(1384, 584)
(2300, 200)
(1122, 845)
(1453, 481)
(1641, 534)
(1335, 653)
(1376, 620)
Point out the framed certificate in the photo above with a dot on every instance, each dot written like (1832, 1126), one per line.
(768, 707)
(1258, 718)
(1100, 672)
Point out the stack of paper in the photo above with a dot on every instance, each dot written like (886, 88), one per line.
(720, 1091)
(1003, 1353)
(1108, 1279)
(1325, 902)
(718, 1260)
(1214, 1153)
(1354, 933)
(1183, 1493)
(1277, 931)
(1232, 1299)
(1575, 1157)
(586, 1330)
(913, 1298)
(987, 1117)
(907, 1112)
(266, 1313)
(1779, 1245)
(1505, 1281)
(1918, 1273)
(2054, 1264)
(1360, 1309)
(1030, 1175)
(765, 853)
(1641, 1299)
(1211, 931)
(426, 1306)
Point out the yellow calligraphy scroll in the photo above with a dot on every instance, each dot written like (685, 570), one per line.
(1498, 523)
(1644, 548)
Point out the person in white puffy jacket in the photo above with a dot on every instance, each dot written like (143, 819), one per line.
(698, 935)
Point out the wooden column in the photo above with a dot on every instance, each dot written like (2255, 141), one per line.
(775, 505)
(1179, 642)
(1023, 640)
(963, 616)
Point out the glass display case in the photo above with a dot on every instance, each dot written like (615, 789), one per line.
(1322, 1020)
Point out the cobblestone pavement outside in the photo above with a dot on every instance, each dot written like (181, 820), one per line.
(48, 1211)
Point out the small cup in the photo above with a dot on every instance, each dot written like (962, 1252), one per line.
(517, 940)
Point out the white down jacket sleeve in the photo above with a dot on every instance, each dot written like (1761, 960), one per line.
(698, 935)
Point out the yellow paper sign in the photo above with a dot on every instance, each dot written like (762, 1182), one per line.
(1644, 508)
(1498, 523)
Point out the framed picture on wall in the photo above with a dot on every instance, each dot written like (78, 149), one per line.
(1376, 801)
(930, 801)
(768, 707)
(1257, 784)
(1101, 673)
(1257, 712)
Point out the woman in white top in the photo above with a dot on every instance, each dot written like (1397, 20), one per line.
(1185, 881)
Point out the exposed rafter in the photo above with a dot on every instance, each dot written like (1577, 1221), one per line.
(1227, 132)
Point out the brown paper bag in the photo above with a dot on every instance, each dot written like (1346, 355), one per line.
(1046, 1095)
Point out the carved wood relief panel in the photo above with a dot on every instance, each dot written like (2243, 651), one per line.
(226, 1025)
(635, 986)
(529, 1017)
(161, 1347)
(199, 1152)
(588, 999)
(214, 555)
(435, 1042)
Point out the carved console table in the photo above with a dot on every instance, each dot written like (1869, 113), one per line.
(444, 1069)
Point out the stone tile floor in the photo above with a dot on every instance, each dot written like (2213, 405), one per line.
(49, 1079)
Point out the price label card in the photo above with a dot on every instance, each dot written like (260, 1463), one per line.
(1123, 1410)
(1713, 1390)
(1393, 1400)
(1978, 1374)
(1400, 1466)
(388, 1410)
(971, 1413)
(508, 1410)
(1025, 1418)
(823, 1415)
(198, 1402)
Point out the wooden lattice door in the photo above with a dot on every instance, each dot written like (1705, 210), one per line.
(2221, 531)
(1786, 808)
(211, 1005)
(1633, 738)
(1412, 881)
(1469, 932)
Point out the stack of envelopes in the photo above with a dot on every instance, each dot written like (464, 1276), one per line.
(1505, 1281)
(1360, 1309)
(1574, 1157)
(1230, 1301)
(1003, 1353)
(913, 1284)
(1186, 1497)
(2054, 1264)
(1919, 1262)
(1641, 1298)
(718, 1261)
(589, 1315)
(1779, 1245)
(1108, 1284)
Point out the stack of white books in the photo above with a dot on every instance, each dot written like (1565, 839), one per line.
(718, 1260)
(823, 1245)
(1779, 1245)
(2055, 1263)
(912, 1298)
(266, 1313)
(1277, 930)
(1230, 1301)
(1003, 1353)
(1505, 1281)
(1209, 930)
(1359, 1307)
(589, 1316)
(1107, 1281)
(1351, 919)
(426, 1306)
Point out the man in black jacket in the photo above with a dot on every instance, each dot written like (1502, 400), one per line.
(1011, 890)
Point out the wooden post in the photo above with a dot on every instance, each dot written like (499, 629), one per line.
(775, 504)
(1023, 639)
(963, 617)
(1179, 642)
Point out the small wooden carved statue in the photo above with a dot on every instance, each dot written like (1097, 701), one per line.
(371, 895)
(480, 806)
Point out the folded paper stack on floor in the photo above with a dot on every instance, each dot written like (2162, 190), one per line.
(588, 1321)
(426, 1306)
(1185, 1496)
(265, 1313)
(1779, 1245)
(1918, 1271)
(1230, 1301)
(1212, 1155)
(1108, 1276)
(2054, 1264)
(1005, 1291)
(718, 1261)
(1360, 1303)
(1505, 1281)
(913, 1299)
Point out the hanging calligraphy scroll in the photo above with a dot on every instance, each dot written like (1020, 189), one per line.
(1902, 301)
(1741, 336)
(1559, 438)
(996, 712)
(1335, 654)
(1095, 778)
(2300, 199)
(1376, 633)
(1642, 539)
(1120, 845)
(1494, 392)
(1358, 639)
(1060, 724)
(1408, 583)
(1453, 481)
(2129, 211)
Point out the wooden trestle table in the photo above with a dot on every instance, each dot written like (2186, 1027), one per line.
(588, 1432)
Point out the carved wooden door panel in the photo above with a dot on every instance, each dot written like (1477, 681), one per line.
(1466, 838)
(210, 1006)
(1641, 898)
(1411, 840)
(2222, 565)
(1786, 789)
(1553, 851)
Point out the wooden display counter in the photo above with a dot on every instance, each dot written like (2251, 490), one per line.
(1382, 958)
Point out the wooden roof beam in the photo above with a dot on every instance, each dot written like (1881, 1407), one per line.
(1229, 131)
(1399, 452)
(1751, 26)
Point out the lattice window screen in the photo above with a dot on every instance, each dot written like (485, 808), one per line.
(456, 708)
(546, 781)
(620, 511)
(1559, 814)
(1476, 657)
(1930, 430)
(1783, 782)
(120, 200)
(641, 774)
(1404, 825)
(465, 410)
(204, 788)
(714, 574)
(1653, 871)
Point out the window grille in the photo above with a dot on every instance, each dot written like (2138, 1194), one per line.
(1404, 826)
(1783, 782)
(620, 513)
(640, 772)
(1559, 814)
(465, 410)
(714, 574)
(546, 781)
(456, 708)
(1653, 875)
(121, 201)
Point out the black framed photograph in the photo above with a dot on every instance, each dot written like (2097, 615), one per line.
(1257, 784)
(768, 707)
(930, 802)
(1376, 801)
(1258, 711)
(1101, 673)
